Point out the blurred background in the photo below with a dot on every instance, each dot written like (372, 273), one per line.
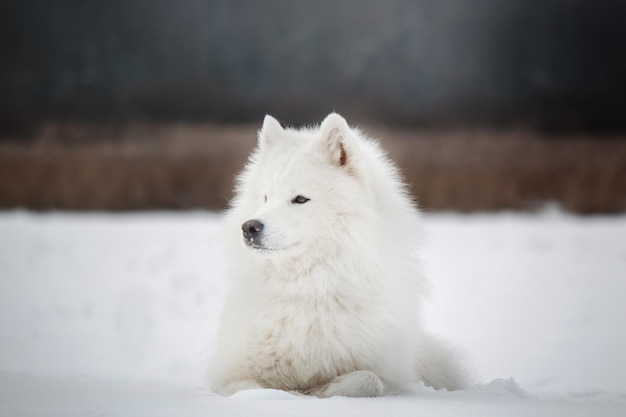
(485, 105)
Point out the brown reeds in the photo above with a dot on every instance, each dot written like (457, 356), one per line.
(70, 166)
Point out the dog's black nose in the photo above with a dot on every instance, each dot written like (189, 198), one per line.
(252, 229)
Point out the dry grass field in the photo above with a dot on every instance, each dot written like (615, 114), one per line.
(72, 166)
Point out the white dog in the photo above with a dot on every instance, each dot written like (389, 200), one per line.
(325, 280)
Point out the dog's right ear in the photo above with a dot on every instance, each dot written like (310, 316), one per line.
(269, 132)
(337, 141)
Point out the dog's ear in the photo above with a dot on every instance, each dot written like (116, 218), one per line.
(337, 140)
(269, 132)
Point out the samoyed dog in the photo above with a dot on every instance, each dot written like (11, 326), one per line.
(325, 280)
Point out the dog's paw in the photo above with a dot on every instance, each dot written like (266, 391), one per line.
(353, 384)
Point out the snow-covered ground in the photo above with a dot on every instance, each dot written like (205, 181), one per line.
(114, 314)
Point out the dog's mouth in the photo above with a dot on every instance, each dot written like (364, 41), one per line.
(257, 245)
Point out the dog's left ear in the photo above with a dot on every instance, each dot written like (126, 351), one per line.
(337, 140)
(270, 132)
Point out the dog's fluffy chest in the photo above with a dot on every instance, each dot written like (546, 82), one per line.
(301, 343)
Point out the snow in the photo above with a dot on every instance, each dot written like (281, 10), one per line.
(115, 314)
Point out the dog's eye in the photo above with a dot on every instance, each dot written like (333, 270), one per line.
(299, 200)
(265, 199)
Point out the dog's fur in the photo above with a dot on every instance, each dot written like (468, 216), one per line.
(325, 281)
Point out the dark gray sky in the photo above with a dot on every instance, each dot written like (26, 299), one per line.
(552, 64)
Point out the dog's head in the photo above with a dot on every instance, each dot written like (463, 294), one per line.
(300, 187)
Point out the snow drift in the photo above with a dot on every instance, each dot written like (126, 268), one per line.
(104, 314)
